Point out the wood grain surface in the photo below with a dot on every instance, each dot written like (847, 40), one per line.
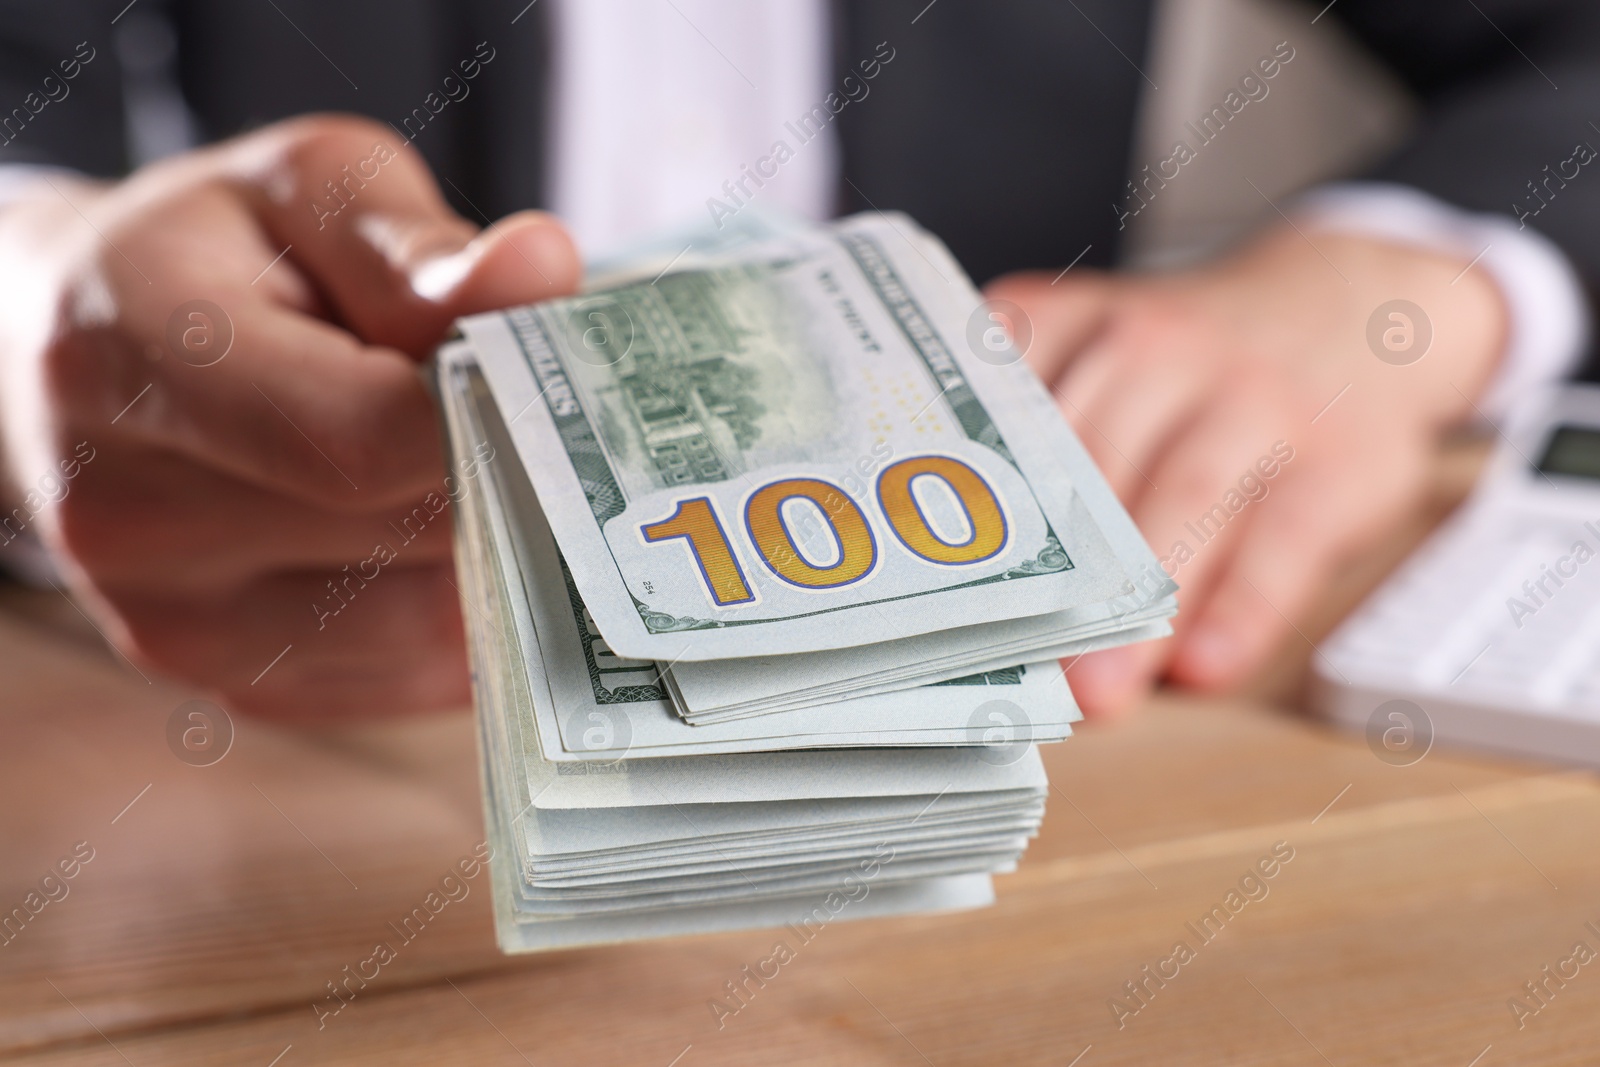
(221, 900)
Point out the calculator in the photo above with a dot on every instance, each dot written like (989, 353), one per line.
(1489, 635)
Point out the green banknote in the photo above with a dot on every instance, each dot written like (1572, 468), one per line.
(796, 445)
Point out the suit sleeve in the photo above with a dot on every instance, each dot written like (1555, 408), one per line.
(1510, 91)
(61, 86)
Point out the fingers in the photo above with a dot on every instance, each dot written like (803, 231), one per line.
(278, 397)
(138, 518)
(212, 349)
(1060, 316)
(1110, 683)
(1121, 365)
(1135, 385)
(1083, 382)
(295, 406)
(517, 260)
(1194, 517)
(360, 213)
(234, 332)
(286, 648)
(1321, 511)
(1130, 402)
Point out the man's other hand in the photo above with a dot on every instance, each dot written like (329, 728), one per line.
(1253, 431)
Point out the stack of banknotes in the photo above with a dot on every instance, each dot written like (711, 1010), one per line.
(770, 551)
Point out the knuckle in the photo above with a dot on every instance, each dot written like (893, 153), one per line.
(1143, 343)
(87, 352)
(1200, 469)
(66, 370)
(85, 371)
(292, 160)
(358, 461)
(1148, 350)
(318, 138)
(1160, 321)
(1156, 314)
(1302, 527)
(389, 447)
(1264, 386)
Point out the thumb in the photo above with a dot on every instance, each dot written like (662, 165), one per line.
(359, 212)
(524, 257)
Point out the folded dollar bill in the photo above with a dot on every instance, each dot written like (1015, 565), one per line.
(767, 566)
(793, 448)
(612, 704)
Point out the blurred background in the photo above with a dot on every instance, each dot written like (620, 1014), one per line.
(1338, 112)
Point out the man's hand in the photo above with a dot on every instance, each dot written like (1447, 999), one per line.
(1253, 432)
(216, 362)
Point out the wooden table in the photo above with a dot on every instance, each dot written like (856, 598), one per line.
(222, 899)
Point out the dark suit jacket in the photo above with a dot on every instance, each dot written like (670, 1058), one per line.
(1004, 127)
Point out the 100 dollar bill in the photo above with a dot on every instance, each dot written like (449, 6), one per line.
(793, 448)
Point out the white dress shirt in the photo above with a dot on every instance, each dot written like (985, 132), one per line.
(654, 106)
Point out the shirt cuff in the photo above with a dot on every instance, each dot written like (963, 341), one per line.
(19, 179)
(23, 555)
(1550, 316)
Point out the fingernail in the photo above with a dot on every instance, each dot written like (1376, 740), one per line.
(435, 278)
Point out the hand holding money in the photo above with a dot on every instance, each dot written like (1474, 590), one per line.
(251, 415)
(1186, 384)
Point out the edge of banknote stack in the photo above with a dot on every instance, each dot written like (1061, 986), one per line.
(769, 550)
